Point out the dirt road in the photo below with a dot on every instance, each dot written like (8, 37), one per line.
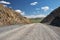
(35, 31)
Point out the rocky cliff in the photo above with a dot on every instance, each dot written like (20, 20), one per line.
(8, 16)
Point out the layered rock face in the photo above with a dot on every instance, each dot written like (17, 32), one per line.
(8, 16)
(53, 18)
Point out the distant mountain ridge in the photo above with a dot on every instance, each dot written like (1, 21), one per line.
(9, 16)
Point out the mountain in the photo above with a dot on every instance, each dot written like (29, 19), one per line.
(9, 16)
(53, 18)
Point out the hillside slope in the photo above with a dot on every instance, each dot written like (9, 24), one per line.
(8, 16)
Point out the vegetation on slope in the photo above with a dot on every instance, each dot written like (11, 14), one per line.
(36, 20)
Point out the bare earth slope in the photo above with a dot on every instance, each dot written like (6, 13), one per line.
(8, 16)
(32, 32)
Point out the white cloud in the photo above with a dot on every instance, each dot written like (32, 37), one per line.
(4, 2)
(30, 16)
(10, 7)
(5, 5)
(45, 8)
(34, 3)
(21, 12)
(35, 16)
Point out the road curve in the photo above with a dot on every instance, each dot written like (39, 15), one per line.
(35, 31)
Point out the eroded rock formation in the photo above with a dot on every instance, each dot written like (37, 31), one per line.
(8, 16)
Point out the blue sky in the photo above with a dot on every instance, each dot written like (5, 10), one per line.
(33, 8)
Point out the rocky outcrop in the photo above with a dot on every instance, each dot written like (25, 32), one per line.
(53, 18)
(8, 16)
